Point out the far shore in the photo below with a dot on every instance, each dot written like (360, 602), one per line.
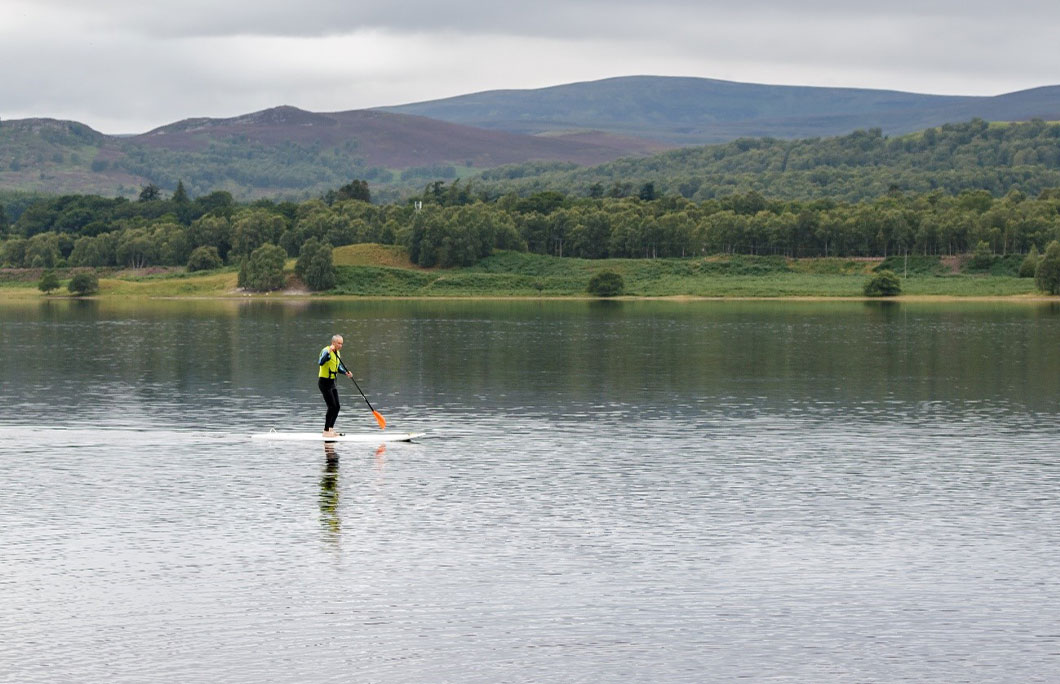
(24, 294)
(383, 272)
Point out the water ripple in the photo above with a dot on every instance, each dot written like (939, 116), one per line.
(761, 526)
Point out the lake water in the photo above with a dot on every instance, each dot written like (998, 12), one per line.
(607, 492)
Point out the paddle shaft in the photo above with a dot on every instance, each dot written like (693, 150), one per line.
(362, 393)
(378, 417)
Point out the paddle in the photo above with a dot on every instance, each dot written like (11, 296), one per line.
(378, 417)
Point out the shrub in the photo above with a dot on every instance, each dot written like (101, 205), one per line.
(205, 258)
(1008, 265)
(263, 270)
(743, 264)
(1030, 264)
(1047, 275)
(48, 282)
(84, 284)
(315, 265)
(884, 284)
(606, 284)
(982, 258)
(913, 264)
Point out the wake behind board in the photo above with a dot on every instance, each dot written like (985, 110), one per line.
(371, 437)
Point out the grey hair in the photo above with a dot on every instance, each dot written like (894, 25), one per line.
(335, 338)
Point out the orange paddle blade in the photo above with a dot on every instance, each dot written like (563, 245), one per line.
(379, 419)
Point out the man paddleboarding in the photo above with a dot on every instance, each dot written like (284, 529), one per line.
(331, 365)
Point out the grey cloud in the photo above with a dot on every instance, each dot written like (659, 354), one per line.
(125, 67)
(559, 18)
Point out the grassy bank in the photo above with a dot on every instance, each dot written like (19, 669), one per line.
(155, 282)
(517, 274)
(380, 270)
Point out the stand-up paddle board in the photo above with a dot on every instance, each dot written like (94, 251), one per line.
(372, 437)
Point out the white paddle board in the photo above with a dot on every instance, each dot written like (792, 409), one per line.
(372, 437)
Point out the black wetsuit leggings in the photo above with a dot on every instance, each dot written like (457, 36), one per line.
(331, 397)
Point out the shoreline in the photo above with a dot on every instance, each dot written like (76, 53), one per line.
(25, 294)
(367, 272)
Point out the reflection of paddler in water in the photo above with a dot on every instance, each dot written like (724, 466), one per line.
(329, 486)
(329, 491)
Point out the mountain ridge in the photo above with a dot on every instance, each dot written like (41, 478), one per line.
(687, 110)
(291, 152)
(383, 139)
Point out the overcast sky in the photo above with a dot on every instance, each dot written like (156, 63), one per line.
(125, 66)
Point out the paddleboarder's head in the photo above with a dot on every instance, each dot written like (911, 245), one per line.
(336, 342)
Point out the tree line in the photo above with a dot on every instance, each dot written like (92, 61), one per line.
(453, 224)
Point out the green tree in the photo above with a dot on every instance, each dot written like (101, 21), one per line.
(96, 251)
(13, 252)
(217, 203)
(315, 266)
(355, 190)
(42, 251)
(982, 258)
(676, 234)
(48, 282)
(150, 193)
(180, 195)
(37, 218)
(263, 270)
(1029, 265)
(136, 249)
(543, 203)
(84, 284)
(172, 243)
(212, 231)
(1047, 275)
(204, 258)
(424, 235)
(590, 235)
(533, 229)
(606, 284)
(315, 220)
(628, 235)
(255, 228)
(884, 284)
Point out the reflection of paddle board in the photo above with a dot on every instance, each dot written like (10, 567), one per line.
(371, 437)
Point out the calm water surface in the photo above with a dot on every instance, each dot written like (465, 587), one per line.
(640, 491)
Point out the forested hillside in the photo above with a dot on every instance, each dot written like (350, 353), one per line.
(280, 152)
(861, 165)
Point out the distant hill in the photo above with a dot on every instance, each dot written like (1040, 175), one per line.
(292, 153)
(688, 111)
(279, 151)
(388, 140)
(51, 156)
